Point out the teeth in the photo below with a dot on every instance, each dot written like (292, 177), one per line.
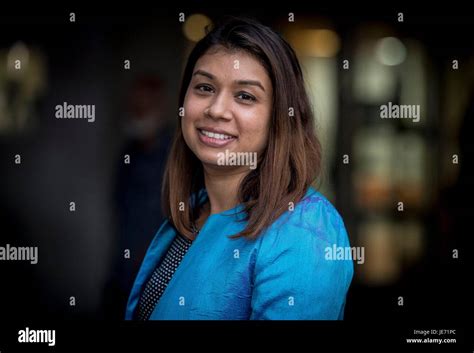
(216, 135)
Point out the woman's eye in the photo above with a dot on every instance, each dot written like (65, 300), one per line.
(245, 96)
(204, 88)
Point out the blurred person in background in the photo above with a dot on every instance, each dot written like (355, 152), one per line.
(138, 186)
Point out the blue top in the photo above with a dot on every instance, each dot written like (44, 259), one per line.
(282, 275)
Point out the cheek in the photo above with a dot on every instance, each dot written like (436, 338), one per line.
(191, 113)
(189, 109)
(264, 123)
(257, 129)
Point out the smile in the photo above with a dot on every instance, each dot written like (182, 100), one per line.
(216, 135)
(214, 139)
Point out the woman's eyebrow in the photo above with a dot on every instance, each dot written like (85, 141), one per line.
(239, 82)
(204, 73)
(250, 82)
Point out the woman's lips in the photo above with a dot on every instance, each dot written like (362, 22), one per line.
(213, 141)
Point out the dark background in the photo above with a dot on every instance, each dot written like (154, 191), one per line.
(117, 205)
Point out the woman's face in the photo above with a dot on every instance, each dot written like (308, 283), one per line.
(227, 106)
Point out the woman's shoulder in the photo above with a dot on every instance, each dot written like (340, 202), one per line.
(314, 200)
(291, 262)
(313, 218)
(313, 208)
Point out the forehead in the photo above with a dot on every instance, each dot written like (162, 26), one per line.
(232, 64)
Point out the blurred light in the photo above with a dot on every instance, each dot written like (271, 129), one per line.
(382, 258)
(390, 51)
(414, 82)
(322, 87)
(195, 27)
(18, 51)
(411, 240)
(320, 43)
(374, 151)
(374, 83)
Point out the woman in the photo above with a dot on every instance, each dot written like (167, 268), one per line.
(246, 233)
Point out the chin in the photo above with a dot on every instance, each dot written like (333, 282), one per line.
(208, 158)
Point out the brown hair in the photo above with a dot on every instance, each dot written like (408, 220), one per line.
(291, 160)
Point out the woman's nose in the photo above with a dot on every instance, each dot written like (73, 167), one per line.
(220, 108)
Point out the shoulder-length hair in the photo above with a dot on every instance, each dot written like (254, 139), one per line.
(291, 160)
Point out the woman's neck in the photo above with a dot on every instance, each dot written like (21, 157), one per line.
(222, 188)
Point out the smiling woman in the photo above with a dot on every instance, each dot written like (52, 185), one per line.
(227, 103)
(243, 243)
